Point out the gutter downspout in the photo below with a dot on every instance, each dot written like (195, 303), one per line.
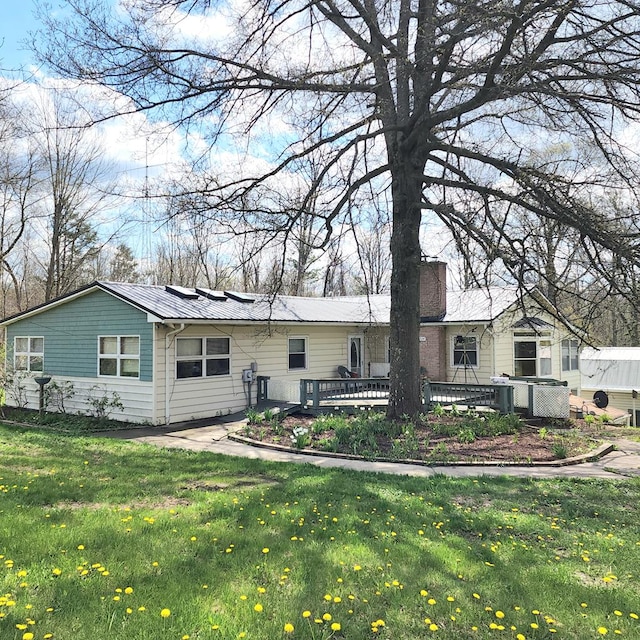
(167, 371)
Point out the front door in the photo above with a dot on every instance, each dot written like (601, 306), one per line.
(355, 354)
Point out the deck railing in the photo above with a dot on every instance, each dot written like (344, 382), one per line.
(341, 391)
(494, 396)
(353, 392)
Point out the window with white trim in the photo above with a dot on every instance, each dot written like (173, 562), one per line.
(202, 357)
(297, 353)
(119, 356)
(531, 357)
(465, 351)
(570, 358)
(28, 353)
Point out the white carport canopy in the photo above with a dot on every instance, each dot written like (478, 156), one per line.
(610, 368)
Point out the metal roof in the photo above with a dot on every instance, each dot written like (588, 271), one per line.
(184, 304)
(479, 305)
(166, 304)
(610, 368)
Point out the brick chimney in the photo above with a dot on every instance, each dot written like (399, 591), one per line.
(433, 291)
(433, 307)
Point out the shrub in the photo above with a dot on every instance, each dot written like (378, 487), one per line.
(57, 393)
(14, 383)
(102, 402)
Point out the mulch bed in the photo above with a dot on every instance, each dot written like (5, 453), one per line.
(526, 446)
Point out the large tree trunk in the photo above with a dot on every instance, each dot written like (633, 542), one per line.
(405, 396)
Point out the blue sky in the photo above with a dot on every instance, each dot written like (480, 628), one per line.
(16, 20)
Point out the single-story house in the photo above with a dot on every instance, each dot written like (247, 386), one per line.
(612, 375)
(172, 353)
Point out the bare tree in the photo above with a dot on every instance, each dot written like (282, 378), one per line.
(447, 100)
(76, 190)
(18, 197)
(17, 185)
(371, 229)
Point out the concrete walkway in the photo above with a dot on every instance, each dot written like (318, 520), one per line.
(213, 436)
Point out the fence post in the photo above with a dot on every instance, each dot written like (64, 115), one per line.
(426, 396)
(505, 398)
(303, 392)
(263, 389)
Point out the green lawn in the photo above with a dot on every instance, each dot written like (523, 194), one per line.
(99, 538)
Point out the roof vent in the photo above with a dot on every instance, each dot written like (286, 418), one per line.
(181, 292)
(239, 297)
(211, 295)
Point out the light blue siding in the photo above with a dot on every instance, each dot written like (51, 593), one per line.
(71, 332)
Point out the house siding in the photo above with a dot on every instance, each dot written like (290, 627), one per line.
(71, 333)
(135, 396)
(192, 398)
(504, 346)
(480, 374)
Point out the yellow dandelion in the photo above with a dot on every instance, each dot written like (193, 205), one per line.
(265, 550)
(288, 628)
(326, 617)
(257, 607)
(306, 614)
(165, 613)
(336, 626)
(499, 614)
(603, 631)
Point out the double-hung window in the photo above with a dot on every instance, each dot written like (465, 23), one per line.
(28, 353)
(297, 353)
(202, 357)
(119, 356)
(531, 357)
(570, 360)
(465, 351)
